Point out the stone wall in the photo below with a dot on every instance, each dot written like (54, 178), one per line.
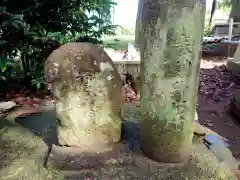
(128, 66)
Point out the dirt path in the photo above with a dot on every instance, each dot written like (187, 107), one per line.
(216, 88)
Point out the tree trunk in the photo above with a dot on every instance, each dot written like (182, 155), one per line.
(138, 19)
(235, 13)
(171, 36)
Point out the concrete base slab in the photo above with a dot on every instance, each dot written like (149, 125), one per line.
(233, 66)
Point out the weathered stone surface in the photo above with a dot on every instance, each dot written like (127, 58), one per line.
(5, 106)
(21, 150)
(124, 164)
(222, 152)
(170, 45)
(235, 104)
(233, 64)
(22, 155)
(199, 129)
(87, 92)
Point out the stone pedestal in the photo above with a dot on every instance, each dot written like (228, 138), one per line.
(233, 64)
(122, 163)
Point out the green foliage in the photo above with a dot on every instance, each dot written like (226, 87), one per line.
(117, 42)
(31, 30)
(231, 6)
(207, 30)
(224, 4)
(125, 30)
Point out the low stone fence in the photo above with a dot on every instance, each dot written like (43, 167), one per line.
(127, 62)
(128, 66)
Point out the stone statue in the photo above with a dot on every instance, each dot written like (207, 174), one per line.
(86, 88)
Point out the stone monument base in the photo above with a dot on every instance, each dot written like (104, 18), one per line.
(122, 163)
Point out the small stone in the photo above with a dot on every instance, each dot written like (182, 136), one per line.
(35, 105)
(141, 163)
(112, 161)
(209, 124)
(196, 116)
(120, 160)
(6, 106)
(199, 129)
(127, 158)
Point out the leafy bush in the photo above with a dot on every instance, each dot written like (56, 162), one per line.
(207, 30)
(32, 30)
(125, 30)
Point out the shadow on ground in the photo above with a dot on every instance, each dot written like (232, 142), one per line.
(42, 125)
(22, 153)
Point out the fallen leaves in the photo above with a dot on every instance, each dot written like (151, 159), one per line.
(217, 84)
(129, 95)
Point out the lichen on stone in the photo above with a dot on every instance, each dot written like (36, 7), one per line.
(87, 93)
(170, 49)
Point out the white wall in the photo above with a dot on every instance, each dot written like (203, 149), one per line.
(126, 12)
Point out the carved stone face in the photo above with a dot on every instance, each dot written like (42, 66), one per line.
(87, 91)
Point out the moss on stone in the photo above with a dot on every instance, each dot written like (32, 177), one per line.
(22, 155)
(87, 90)
(168, 143)
(170, 46)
